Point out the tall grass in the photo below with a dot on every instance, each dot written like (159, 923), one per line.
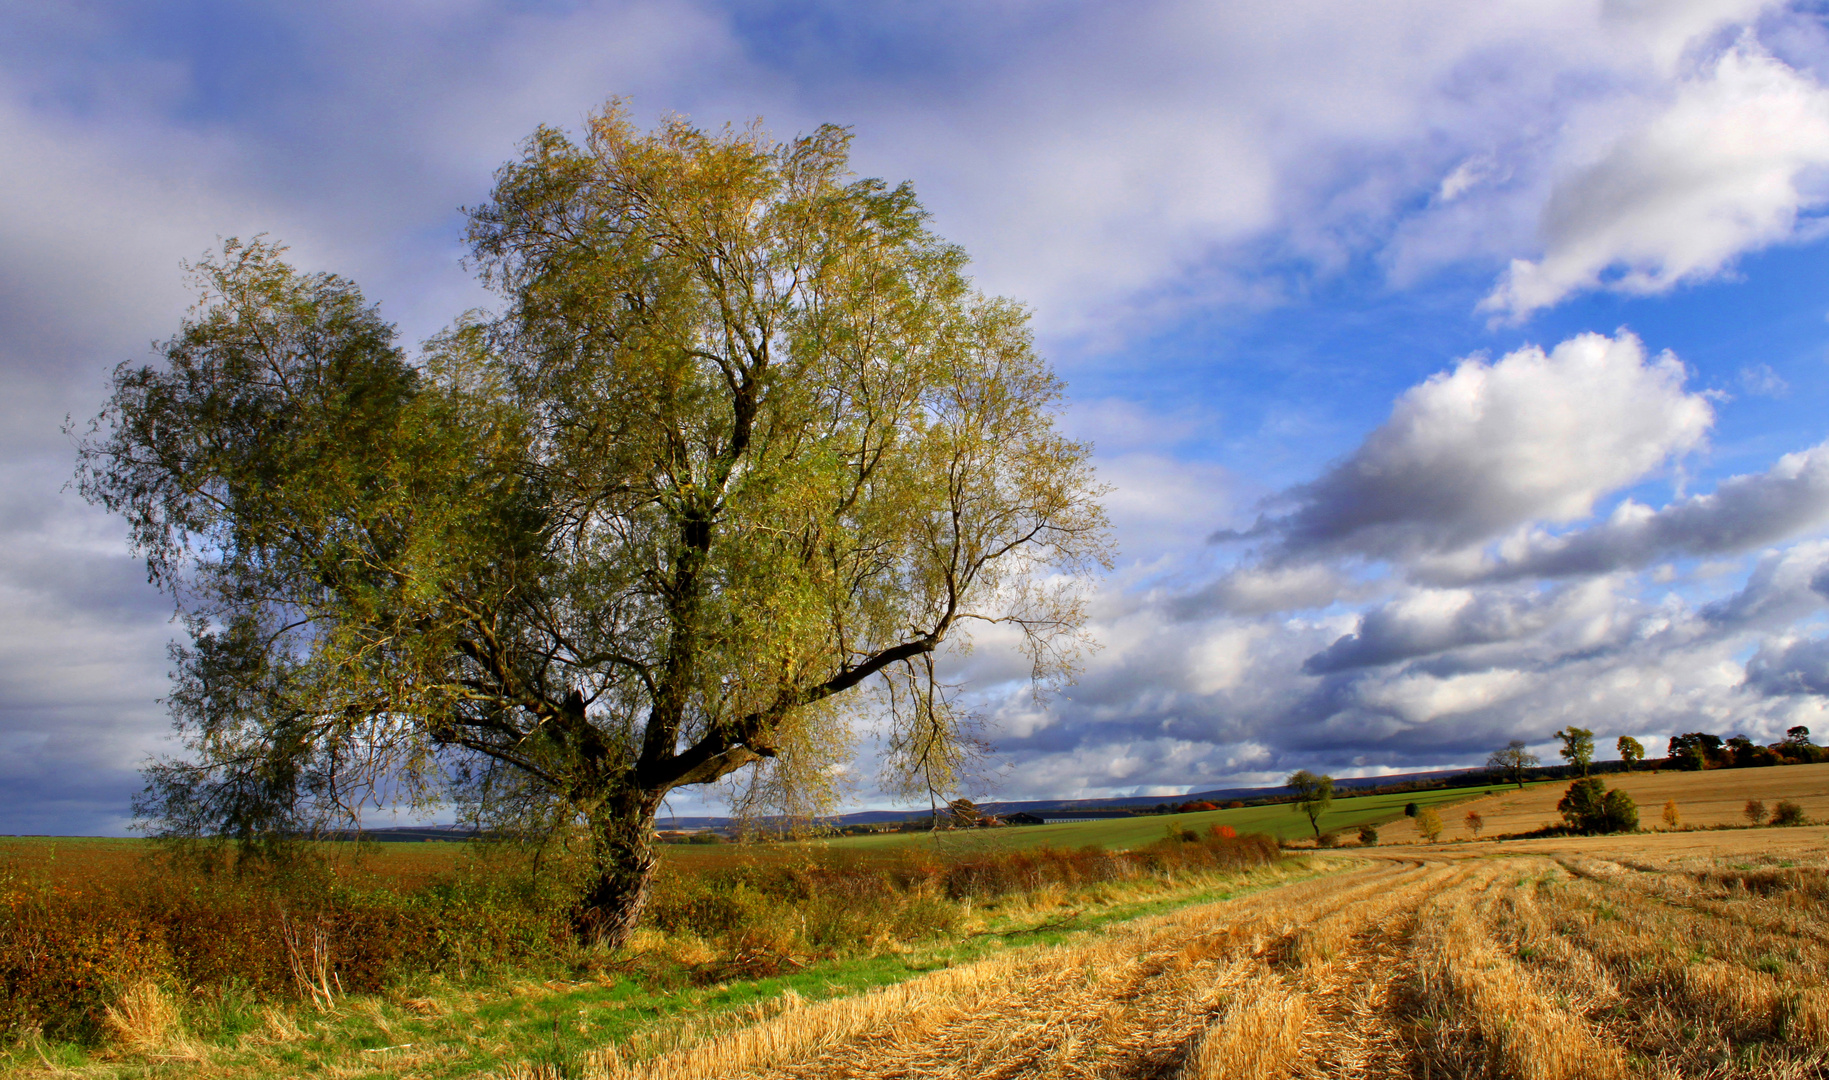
(89, 962)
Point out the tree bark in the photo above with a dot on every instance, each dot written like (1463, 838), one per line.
(623, 862)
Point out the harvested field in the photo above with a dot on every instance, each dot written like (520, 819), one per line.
(1705, 799)
(1677, 955)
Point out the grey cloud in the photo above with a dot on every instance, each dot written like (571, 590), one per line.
(1428, 623)
(1784, 586)
(1797, 667)
(1742, 513)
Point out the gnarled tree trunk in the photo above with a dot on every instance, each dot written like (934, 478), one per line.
(622, 869)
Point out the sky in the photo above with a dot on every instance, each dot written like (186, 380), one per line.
(1458, 369)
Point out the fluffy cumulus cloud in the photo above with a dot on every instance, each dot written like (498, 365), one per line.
(1728, 166)
(1487, 447)
(1472, 572)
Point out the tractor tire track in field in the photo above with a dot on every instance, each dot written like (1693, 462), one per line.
(1532, 967)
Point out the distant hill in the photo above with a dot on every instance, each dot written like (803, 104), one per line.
(879, 817)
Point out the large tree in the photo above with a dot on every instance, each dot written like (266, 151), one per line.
(741, 442)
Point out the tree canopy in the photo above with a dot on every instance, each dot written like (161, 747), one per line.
(1577, 747)
(1313, 795)
(1513, 760)
(741, 441)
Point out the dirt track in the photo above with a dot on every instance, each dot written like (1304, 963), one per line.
(1699, 955)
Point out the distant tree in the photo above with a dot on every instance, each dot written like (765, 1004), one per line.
(1474, 823)
(1577, 747)
(1313, 794)
(1368, 835)
(1513, 760)
(1787, 813)
(1797, 736)
(1631, 751)
(965, 814)
(1754, 811)
(1429, 823)
(1410, 809)
(1673, 818)
(1696, 750)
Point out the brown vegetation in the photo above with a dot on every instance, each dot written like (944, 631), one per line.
(1649, 956)
(84, 959)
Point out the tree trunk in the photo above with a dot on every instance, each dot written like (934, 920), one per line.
(622, 856)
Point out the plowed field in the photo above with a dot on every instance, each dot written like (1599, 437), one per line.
(1683, 955)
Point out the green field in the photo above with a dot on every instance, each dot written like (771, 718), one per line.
(1282, 820)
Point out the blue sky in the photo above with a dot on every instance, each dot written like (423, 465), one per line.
(1495, 337)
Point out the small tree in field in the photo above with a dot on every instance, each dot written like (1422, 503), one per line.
(1368, 835)
(1313, 794)
(1787, 812)
(1429, 823)
(1474, 822)
(741, 455)
(1754, 811)
(1513, 760)
(1631, 751)
(1673, 818)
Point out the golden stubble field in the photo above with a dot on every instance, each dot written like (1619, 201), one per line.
(1697, 954)
(1715, 797)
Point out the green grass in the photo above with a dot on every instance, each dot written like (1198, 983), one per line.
(1281, 820)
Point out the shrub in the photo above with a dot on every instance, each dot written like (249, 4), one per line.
(1673, 818)
(1222, 832)
(1409, 810)
(1429, 823)
(1368, 834)
(1589, 807)
(1475, 823)
(1787, 812)
(1330, 838)
(1754, 811)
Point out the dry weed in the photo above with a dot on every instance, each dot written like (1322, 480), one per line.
(145, 1021)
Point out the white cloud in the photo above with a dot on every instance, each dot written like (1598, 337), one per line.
(1727, 168)
(1475, 452)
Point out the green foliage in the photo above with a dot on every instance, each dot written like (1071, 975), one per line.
(1368, 834)
(1631, 751)
(1589, 807)
(1577, 747)
(743, 441)
(1695, 750)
